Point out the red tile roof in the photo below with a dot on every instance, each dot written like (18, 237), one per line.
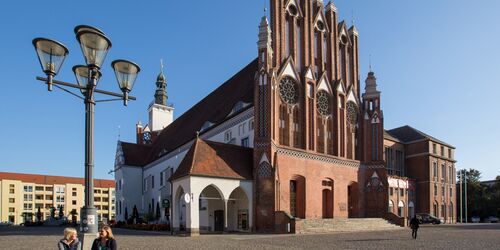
(215, 159)
(49, 180)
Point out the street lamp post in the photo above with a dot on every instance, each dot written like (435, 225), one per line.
(94, 45)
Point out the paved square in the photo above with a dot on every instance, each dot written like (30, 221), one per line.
(471, 236)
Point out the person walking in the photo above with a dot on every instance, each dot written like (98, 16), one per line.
(70, 241)
(105, 241)
(414, 224)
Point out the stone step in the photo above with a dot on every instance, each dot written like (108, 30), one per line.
(343, 225)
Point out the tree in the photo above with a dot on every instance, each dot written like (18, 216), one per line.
(28, 216)
(158, 215)
(482, 200)
(52, 212)
(61, 212)
(135, 214)
(73, 214)
(126, 214)
(39, 215)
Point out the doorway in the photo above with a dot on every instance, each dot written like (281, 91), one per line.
(219, 220)
(327, 203)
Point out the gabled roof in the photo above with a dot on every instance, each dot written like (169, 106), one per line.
(135, 154)
(213, 108)
(50, 180)
(408, 134)
(215, 159)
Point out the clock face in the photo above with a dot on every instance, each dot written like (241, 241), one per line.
(146, 137)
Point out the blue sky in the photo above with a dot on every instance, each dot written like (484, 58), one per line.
(436, 63)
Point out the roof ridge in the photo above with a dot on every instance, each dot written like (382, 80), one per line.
(195, 149)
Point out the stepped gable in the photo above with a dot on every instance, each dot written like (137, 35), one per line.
(215, 159)
(408, 134)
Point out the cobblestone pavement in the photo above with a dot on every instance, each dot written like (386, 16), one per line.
(471, 236)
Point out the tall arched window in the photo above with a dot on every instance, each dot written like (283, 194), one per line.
(329, 137)
(320, 134)
(435, 211)
(341, 121)
(310, 104)
(296, 128)
(283, 125)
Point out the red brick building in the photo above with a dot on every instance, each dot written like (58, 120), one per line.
(319, 145)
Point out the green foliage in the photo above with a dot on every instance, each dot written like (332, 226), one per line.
(52, 212)
(482, 200)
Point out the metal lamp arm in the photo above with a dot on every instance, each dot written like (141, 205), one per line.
(71, 85)
(68, 91)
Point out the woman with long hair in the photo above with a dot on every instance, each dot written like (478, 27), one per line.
(105, 241)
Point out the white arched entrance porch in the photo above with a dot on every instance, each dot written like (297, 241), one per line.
(215, 195)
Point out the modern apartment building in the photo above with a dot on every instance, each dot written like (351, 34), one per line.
(22, 194)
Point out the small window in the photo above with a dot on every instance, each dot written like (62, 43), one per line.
(244, 142)
(73, 194)
(434, 148)
(435, 190)
(449, 153)
(402, 192)
(152, 181)
(73, 202)
(12, 210)
(250, 125)
(161, 179)
(442, 151)
(391, 191)
(434, 170)
(12, 200)
(228, 136)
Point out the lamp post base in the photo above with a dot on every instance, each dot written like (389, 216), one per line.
(88, 220)
(87, 239)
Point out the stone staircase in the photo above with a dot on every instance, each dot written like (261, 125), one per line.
(313, 226)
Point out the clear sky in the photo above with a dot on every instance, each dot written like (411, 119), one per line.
(436, 63)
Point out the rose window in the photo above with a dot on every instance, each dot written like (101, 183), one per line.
(352, 113)
(323, 103)
(289, 90)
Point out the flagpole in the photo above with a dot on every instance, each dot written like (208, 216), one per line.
(465, 179)
(461, 205)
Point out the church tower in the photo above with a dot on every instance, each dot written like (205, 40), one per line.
(264, 181)
(375, 176)
(160, 113)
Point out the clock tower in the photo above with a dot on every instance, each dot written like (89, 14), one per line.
(161, 114)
